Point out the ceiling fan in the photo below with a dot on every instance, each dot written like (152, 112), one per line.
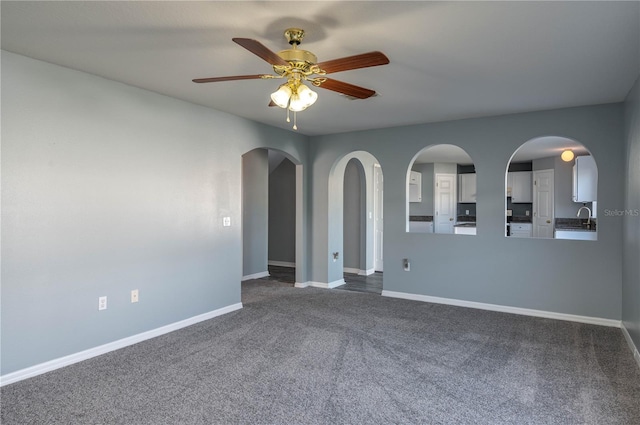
(297, 65)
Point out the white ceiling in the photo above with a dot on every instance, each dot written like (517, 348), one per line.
(449, 60)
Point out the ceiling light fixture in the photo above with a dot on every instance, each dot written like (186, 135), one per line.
(294, 96)
(567, 155)
(296, 66)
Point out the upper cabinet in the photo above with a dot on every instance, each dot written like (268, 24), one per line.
(467, 188)
(521, 186)
(585, 179)
(415, 186)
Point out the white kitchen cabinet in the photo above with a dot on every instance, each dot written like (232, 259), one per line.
(521, 230)
(521, 187)
(467, 185)
(464, 230)
(585, 179)
(421, 226)
(580, 235)
(415, 186)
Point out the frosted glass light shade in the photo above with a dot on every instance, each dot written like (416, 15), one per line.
(304, 98)
(281, 96)
(567, 155)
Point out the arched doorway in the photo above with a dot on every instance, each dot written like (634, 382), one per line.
(371, 222)
(276, 176)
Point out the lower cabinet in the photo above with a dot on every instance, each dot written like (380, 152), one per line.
(576, 235)
(464, 230)
(521, 230)
(421, 226)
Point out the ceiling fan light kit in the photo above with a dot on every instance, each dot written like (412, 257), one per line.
(297, 65)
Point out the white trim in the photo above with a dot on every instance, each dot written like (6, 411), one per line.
(41, 368)
(632, 346)
(367, 272)
(282, 264)
(255, 276)
(329, 285)
(505, 309)
(351, 270)
(301, 285)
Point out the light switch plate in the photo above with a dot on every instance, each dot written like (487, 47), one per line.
(226, 221)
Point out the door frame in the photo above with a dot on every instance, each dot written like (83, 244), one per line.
(378, 218)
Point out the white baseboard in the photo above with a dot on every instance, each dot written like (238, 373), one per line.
(505, 309)
(41, 368)
(301, 284)
(632, 346)
(366, 272)
(329, 285)
(282, 264)
(351, 270)
(255, 276)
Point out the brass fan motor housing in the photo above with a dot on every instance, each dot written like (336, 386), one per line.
(300, 59)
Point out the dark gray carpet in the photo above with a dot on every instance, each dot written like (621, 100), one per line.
(314, 356)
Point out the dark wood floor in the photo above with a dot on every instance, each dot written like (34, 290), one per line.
(354, 282)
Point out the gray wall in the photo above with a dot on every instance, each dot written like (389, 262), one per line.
(572, 277)
(631, 238)
(108, 188)
(255, 207)
(282, 212)
(354, 210)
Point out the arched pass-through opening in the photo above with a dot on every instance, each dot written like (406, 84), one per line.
(441, 191)
(551, 190)
(372, 219)
(272, 174)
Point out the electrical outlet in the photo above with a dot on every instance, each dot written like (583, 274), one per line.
(526, 213)
(466, 212)
(406, 265)
(134, 296)
(226, 221)
(102, 303)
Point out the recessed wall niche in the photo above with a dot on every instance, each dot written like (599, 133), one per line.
(551, 191)
(441, 191)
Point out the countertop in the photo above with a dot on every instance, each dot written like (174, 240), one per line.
(575, 225)
(420, 218)
(519, 219)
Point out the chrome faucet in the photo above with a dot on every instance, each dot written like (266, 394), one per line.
(589, 210)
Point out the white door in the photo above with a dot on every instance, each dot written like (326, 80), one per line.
(543, 204)
(445, 203)
(378, 218)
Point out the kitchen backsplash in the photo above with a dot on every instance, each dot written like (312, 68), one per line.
(463, 208)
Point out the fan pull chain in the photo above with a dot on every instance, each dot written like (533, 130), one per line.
(295, 120)
(288, 120)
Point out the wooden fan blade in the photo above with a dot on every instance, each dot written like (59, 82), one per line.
(346, 88)
(230, 78)
(272, 103)
(354, 62)
(260, 50)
